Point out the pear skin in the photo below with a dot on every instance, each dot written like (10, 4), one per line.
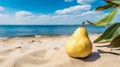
(79, 44)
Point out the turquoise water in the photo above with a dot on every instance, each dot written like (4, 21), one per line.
(26, 30)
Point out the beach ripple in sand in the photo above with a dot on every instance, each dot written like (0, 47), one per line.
(50, 52)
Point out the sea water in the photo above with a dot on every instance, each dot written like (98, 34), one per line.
(29, 30)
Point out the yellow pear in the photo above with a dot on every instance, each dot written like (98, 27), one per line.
(79, 44)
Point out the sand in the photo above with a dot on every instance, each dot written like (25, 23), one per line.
(48, 51)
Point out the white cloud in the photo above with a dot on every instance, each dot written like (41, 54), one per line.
(85, 1)
(77, 8)
(6, 19)
(50, 19)
(25, 17)
(1, 8)
(68, 0)
(23, 14)
(116, 19)
(118, 11)
(89, 15)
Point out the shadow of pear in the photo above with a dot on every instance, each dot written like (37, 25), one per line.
(103, 45)
(92, 57)
(104, 52)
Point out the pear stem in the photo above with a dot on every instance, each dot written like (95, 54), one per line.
(83, 24)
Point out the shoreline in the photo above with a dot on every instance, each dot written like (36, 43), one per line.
(42, 35)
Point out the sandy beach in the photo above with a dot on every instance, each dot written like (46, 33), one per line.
(48, 51)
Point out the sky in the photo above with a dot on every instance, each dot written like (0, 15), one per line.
(50, 12)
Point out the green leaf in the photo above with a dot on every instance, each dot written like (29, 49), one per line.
(113, 1)
(115, 42)
(106, 20)
(109, 34)
(107, 6)
(108, 1)
(116, 1)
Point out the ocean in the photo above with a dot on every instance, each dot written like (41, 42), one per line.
(32, 30)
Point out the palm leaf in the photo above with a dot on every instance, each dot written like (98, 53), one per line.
(105, 7)
(109, 34)
(106, 20)
(115, 42)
